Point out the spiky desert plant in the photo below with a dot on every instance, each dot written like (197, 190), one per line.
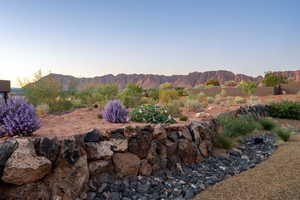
(115, 112)
(17, 117)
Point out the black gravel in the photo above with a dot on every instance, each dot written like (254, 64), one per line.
(185, 182)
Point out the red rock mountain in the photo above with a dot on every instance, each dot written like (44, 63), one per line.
(152, 81)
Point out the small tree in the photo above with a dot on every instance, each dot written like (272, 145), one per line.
(132, 95)
(274, 79)
(248, 87)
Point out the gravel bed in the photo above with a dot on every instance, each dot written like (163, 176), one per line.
(187, 181)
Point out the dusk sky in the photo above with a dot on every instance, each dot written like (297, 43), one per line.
(93, 38)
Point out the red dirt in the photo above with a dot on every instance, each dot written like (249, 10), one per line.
(83, 120)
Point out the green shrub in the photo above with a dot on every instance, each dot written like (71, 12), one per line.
(193, 105)
(173, 108)
(248, 87)
(273, 79)
(132, 95)
(237, 126)
(166, 85)
(298, 93)
(230, 100)
(151, 114)
(181, 92)
(267, 124)
(183, 118)
(153, 93)
(253, 100)
(167, 95)
(223, 93)
(213, 83)
(60, 105)
(42, 110)
(283, 133)
(231, 83)
(240, 100)
(223, 141)
(210, 99)
(285, 109)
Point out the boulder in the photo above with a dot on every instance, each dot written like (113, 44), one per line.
(119, 145)
(126, 164)
(48, 148)
(203, 147)
(130, 131)
(140, 144)
(24, 166)
(145, 168)
(68, 181)
(188, 152)
(159, 132)
(100, 166)
(93, 136)
(6, 149)
(97, 151)
(185, 132)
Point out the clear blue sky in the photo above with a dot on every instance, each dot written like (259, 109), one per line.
(90, 38)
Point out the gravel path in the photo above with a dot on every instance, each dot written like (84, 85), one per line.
(278, 178)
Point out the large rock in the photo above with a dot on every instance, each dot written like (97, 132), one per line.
(97, 151)
(48, 148)
(24, 166)
(126, 164)
(146, 168)
(188, 152)
(31, 191)
(68, 181)
(100, 166)
(93, 136)
(159, 132)
(119, 145)
(6, 149)
(141, 143)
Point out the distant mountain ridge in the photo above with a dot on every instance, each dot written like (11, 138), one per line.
(153, 81)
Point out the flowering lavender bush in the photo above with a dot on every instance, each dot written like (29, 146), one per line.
(17, 117)
(115, 112)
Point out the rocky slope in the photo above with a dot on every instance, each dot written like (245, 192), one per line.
(152, 80)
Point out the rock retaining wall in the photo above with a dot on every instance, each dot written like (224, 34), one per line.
(60, 169)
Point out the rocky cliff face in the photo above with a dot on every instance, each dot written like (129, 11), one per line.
(152, 81)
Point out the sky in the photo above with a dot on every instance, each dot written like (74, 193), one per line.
(87, 38)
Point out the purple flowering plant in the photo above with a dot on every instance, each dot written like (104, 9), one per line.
(17, 117)
(115, 112)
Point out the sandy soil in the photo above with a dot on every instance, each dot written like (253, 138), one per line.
(278, 178)
(83, 120)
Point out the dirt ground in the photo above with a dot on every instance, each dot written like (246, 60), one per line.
(85, 119)
(278, 178)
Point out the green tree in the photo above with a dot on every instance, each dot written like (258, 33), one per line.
(132, 95)
(248, 87)
(274, 79)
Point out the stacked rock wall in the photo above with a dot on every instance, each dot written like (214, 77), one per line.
(60, 169)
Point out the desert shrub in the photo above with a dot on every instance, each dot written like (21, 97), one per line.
(151, 114)
(193, 105)
(42, 109)
(230, 100)
(223, 93)
(231, 83)
(253, 100)
(218, 99)
(181, 92)
(167, 95)
(237, 126)
(17, 117)
(95, 94)
(115, 112)
(60, 105)
(298, 93)
(153, 93)
(132, 95)
(272, 79)
(248, 87)
(41, 90)
(283, 133)
(183, 118)
(223, 141)
(239, 100)
(267, 124)
(173, 108)
(166, 85)
(285, 109)
(210, 99)
(213, 83)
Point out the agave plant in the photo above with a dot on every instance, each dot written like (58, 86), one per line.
(17, 117)
(115, 112)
